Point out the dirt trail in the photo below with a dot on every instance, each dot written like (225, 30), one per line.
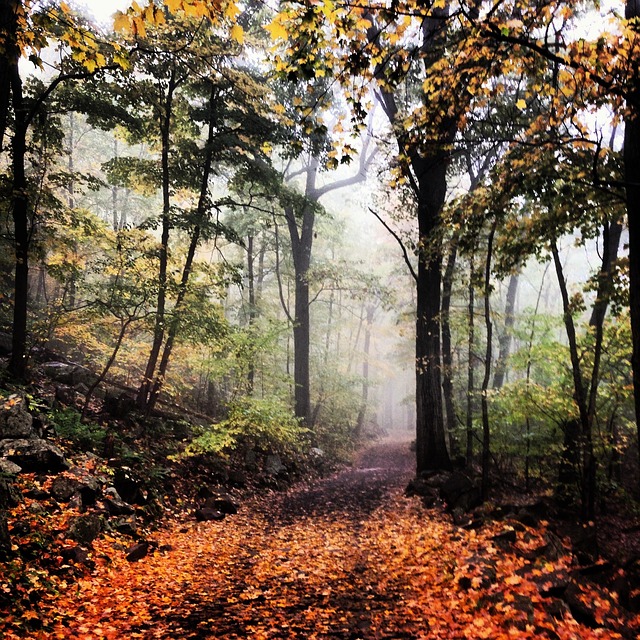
(382, 468)
(347, 557)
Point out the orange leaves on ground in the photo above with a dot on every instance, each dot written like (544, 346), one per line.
(398, 572)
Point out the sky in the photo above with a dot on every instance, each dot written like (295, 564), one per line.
(102, 10)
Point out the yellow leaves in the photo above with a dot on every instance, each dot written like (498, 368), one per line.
(521, 104)
(277, 30)
(173, 5)
(237, 33)
(121, 22)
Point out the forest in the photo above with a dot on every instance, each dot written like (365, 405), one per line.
(320, 319)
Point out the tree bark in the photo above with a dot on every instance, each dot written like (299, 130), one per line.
(486, 431)
(471, 357)
(165, 116)
(20, 206)
(504, 342)
(447, 355)
(578, 443)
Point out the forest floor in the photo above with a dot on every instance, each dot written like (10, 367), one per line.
(348, 557)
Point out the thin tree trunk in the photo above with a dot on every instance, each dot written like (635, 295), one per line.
(447, 355)
(579, 445)
(486, 431)
(471, 357)
(504, 343)
(188, 264)
(365, 371)
(159, 328)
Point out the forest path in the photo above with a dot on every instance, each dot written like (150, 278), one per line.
(345, 557)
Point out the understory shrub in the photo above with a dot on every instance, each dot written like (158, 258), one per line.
(266, 425)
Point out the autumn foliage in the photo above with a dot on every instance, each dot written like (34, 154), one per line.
(274, 571)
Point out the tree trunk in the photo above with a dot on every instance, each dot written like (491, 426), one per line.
(632, 179)
(365, 371)
(447, 355)
(165, 118)
(431, 448)
(251, 373)
(580, 448)
(471, 356)
(504, 343)
(188, 264)
(20, 213)
(486, 431)
(301, 244)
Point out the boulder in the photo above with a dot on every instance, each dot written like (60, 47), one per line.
(207, 514)
(273, 465)
(130, 487)
(460, 492)
(9, 468)
(15, 420)
(69, 373)
(223, 503)
(76, 555)
(118, 404)
(127, 527)
(9, 495)
(117, 507)
(85, 529)
(138, 551)
(5, 538)
(38, 456)
(64, 487)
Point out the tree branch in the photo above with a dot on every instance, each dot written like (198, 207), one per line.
(399, 241)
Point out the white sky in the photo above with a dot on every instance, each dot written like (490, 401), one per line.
(102, 10)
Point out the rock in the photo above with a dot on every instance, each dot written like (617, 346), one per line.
(76, 555)
(273, 465)
(117, 507)
(59, 371)
(206, 514)
(118, 404)
(9, 496)
(129, 487)
(223, 503)
(5, 538)
(237, 478)
(460, 492)
(69, 373)
(506, 538)
(64, 487)
(15, 421)
(138, 551)
(127, 527)
(38, 456)
(85, 529)
(65, 395)
(9, 468)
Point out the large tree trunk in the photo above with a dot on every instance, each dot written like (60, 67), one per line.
(632, 179)
(20, 213)
(431, 448)
(301, 245)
